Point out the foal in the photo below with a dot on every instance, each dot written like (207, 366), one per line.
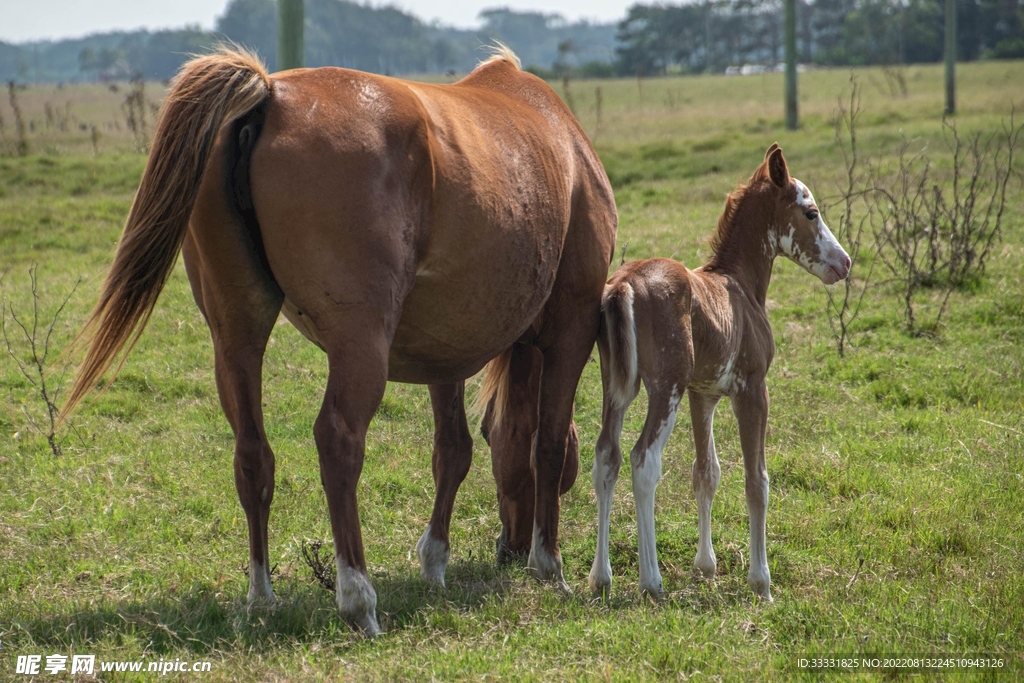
(704, 331)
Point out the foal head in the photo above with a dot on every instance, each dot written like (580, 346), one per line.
(796, 228)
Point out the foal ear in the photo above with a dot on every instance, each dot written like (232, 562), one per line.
(777, 169)
(771, 149)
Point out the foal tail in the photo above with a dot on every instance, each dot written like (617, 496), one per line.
(618, 332)
(209, 92)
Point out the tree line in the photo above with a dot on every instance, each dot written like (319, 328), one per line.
(701, 36)
(711, 35)
(381, 39)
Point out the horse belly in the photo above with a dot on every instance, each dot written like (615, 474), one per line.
(460, 315)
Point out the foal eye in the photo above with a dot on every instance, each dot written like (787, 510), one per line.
(811, 215)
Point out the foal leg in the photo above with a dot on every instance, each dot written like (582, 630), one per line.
(645, 460)
(607, 461)
(706, 475)
(356, 381)
(751, 409)
(453, 454)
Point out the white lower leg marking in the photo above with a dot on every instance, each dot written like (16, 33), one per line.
(433, 556)
(357, 601)
(259, 583)
(604, 476)
(646, 473)
(705, 483)
(758, 578)
(542, 563)
(706, 474)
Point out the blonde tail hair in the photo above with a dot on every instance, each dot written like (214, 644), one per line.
(495, 385)
(209, 92)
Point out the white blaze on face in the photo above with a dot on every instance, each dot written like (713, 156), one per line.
(812, 244)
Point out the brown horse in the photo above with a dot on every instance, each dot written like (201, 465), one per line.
(412, 231)
(704, 332)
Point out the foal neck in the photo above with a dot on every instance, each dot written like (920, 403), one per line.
(742, 245)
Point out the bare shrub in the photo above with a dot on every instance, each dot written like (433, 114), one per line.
(32, 359)
(935, 235)
(21, 144)
(134, 109)
(853, 227)
(321, 563)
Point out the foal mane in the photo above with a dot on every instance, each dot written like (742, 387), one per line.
(723, 242)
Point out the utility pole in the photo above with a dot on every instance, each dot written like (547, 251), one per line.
(950, 56)
(290, 45)
(792, 119)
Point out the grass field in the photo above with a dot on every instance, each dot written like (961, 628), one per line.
(897, 474)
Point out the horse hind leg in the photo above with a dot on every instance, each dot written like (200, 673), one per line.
(452, 457)
(607, 461)
(357, 377)
(645, 462)
(240, 302)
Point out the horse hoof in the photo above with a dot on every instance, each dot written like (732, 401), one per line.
(544, 566)
(600, 584)
(506, 555)
(357, 601)
(366, 625)
(433, 556)
(261, 604)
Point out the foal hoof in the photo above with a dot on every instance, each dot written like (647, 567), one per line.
(600, 583)
(761, 585)
(655, 591)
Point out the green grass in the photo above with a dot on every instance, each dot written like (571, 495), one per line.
(897, 493)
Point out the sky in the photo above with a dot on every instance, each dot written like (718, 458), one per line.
(25, 20)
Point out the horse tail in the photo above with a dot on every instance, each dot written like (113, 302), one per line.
(494, 386)
(618, 328)
(209, 92)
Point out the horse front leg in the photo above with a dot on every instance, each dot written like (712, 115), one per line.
(452, 457)
(511, 444)
(555, 453)
(751, 409)
(707, 472)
